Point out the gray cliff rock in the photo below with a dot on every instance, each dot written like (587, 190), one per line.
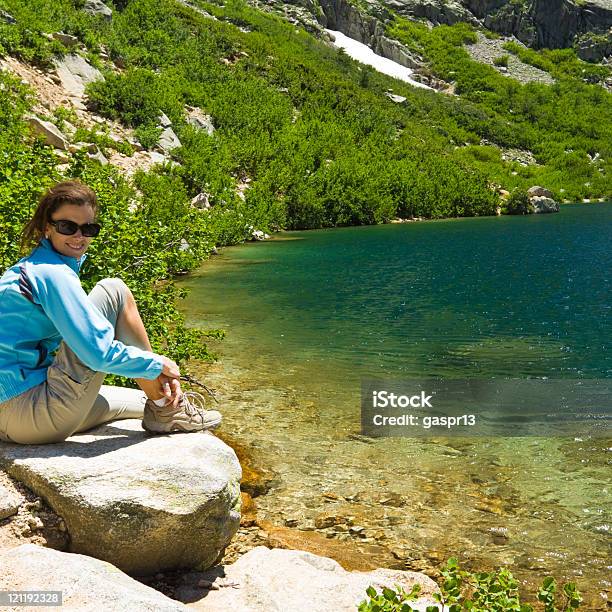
(143, 503)
(544, 23)
(537, 23)
(594, 48)
(366, 28)
(436, 11)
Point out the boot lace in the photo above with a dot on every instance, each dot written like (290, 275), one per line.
(193, 403)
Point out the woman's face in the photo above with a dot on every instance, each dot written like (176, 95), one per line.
(77, 244)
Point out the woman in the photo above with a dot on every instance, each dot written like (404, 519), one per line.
(46, 398)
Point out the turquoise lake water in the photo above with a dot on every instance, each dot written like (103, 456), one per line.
(309, 314)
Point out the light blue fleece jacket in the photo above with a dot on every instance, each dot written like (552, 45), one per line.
(41, 304)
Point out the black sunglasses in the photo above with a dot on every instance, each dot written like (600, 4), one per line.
(68, 228)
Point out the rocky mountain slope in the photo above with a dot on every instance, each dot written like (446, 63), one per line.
(585, 24)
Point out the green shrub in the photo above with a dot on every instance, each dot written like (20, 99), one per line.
(479, 592)
(148, 134)
(518, 203)
(502, 60)
(103, 140)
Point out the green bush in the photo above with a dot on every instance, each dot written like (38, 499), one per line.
(103, 140)
(502, 60)
(518, 203)
(148, 134)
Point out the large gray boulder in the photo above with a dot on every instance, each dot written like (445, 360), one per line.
(143, 503)
(542, 204)
(75, 72)
(86, 584)
(277, 580)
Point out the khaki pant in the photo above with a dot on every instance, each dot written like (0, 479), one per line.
(72, 399)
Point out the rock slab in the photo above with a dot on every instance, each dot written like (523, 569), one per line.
(277, 580)
(86, 584)
(49, 132)
(143, 503)
(75, 72)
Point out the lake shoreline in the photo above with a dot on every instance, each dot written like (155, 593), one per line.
(324, 481)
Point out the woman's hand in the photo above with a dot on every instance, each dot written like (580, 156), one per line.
(171, 369)
(171, 388)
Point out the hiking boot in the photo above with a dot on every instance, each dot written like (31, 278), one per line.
(189, 415)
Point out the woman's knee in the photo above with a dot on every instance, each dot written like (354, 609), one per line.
(111, 295)
(115, 287)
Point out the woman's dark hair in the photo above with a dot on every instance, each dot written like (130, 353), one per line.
(66, 192)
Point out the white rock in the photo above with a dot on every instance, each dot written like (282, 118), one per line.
(97, 7)
(7, 17)
(87, 584)
(62, 157)
(76, 102)
(157, 158)
(9, 502)
(201, 201)
(78, 146)
(144, 503)
(75, 72)
(164, 121)
(51, 133)
(66, 39)
(278, 580)
(98, 156)
(199, 120)
(168, 140)
(395, 97)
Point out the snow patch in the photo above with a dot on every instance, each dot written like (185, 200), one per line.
(362, 53)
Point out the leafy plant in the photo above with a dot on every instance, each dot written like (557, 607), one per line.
(390, 600)
(148, 135)
(103, 140)
(478, 592)
(518, 203)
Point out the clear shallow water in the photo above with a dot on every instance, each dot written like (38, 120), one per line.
(310, 313)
